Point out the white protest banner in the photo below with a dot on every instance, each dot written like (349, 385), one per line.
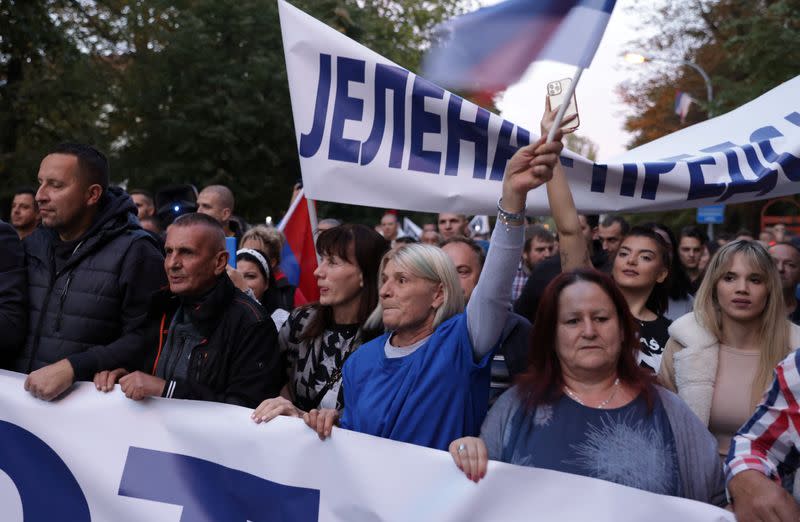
(102, 457)
(371, 133)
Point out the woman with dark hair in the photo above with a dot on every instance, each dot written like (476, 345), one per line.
(258, 281)
(641, 271)
(584, 406)
(640, 266)
(680, 299)
(318, 338)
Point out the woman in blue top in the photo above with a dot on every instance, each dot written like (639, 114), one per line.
(426, 381)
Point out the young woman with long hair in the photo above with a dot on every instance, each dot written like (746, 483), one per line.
(720, 358)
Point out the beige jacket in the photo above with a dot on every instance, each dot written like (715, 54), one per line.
(689, 363)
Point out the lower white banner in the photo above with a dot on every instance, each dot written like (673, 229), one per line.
(102, 457)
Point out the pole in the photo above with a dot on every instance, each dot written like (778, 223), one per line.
(312, 216)
(710, 98)
(709, 90)
(563, 108)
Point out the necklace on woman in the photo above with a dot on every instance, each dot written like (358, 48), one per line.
(574, 396)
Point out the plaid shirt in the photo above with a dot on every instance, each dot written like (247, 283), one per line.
(769, 441)
(519, 283)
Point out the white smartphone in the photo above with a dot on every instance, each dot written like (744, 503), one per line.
(556, 91)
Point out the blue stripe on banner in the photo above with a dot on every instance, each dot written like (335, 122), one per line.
(47, 488)
(211, 491)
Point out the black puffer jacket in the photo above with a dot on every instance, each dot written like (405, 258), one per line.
(89, 305)
(13, 295)
(237, 361)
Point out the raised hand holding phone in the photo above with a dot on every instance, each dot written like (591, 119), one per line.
(557, 96)
(563, 108)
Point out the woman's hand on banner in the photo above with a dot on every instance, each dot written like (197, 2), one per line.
(322, 421)
(471, 457)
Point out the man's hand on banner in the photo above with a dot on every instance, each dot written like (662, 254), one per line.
(271, 408)
(529, 168)
(51, 381)
(756, 497)
(471, 457)
(139, 385)
(104, 381)
(322, 421)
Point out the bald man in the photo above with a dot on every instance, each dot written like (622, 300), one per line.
(217, 201)
(219, 345)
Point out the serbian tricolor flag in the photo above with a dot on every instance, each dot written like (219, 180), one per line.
(489, 49)
(299, 258)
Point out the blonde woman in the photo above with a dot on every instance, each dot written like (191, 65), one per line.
(720, 358)
(426, 380)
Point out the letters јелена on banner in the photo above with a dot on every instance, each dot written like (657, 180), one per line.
(102, 457)
(372, 133)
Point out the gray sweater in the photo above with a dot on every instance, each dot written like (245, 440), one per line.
(698, 463)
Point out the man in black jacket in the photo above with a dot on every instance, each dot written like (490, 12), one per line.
(213, 342)
(91, 272)
(13, 294)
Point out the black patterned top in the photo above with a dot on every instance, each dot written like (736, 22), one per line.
(310, 364)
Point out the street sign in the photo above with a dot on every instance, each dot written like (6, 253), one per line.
(713, 214)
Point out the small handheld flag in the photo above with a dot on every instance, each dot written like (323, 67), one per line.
(411, 229)
(299, 248)
(682, 104)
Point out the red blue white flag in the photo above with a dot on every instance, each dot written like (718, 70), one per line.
(299, 257)
(489, 49)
